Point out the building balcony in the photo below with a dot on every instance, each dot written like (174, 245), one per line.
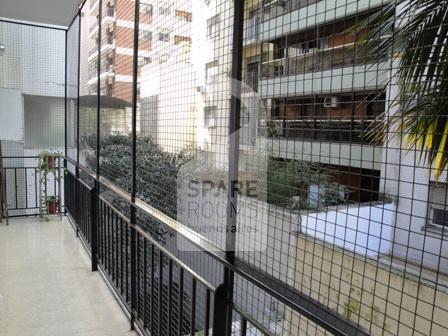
(319, 129)
(108, 21)
(107, 46)
(282, 20)
(94, 6)
(328, 72)
(107, 73)
(362, 156)
(166, 204)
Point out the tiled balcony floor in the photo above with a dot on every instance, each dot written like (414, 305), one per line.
(46, 286)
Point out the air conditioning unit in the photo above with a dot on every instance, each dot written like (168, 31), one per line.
(332, 101)
(439, 217)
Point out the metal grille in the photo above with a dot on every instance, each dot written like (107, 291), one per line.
(72, 93)
(32, 94)
(341, 221)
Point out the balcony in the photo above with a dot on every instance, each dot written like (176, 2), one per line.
(310, 72)
(307, 14)
(317, 129)
(107, 23)
(277, 8)
(44, 258)
(175, 210)
(107, 46)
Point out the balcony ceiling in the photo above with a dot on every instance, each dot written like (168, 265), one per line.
(50, 12)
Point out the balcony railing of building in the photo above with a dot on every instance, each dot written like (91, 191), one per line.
(319, 129)
(108, 15)
(320, 60)
(274, 8)
(23, 185)
(337, 210)
(251, 80)
(138, 267)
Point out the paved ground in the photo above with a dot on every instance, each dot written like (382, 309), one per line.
(46, 287)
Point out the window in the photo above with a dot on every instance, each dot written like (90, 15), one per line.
(437, 207)
(211, 72)
(210, 116)
(143, 60)
(213, 27)
(183, 15)
(146, 8)
(164, 36)
(146, 35)
(178, 39)
(165, 10)
(164, 58)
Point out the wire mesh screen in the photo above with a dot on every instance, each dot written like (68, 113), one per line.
(116, 78)
(32, 90)
(72, 67)
(32, 87)
(88, 84)
(332, 171)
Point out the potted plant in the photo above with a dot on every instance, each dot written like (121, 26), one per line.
(48, 160)
(53, 205)
(51, 160)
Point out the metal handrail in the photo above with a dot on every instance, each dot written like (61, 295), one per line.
(303, 304)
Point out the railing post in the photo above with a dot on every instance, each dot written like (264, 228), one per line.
(221, 305)
(94, 227)
(222, 324)
(77, 210)
(134, 166)
(133, 270)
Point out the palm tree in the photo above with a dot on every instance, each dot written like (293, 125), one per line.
(415, 33)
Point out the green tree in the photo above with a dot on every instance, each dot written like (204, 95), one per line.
(415, 33)
(156, 172)
(286, 179)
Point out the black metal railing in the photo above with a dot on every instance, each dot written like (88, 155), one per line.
(78, 205)
(22, 185)
(160, 292)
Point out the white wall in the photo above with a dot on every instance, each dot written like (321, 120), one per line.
(11, 115)
(364, 229)
(33, 61)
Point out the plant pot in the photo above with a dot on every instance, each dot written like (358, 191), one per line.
(51, 160)
(53, 207)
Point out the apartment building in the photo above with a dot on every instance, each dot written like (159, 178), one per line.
(321, 96)
(167, 109)
(117, 40)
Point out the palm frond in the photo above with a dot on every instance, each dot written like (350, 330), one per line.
(415, 36)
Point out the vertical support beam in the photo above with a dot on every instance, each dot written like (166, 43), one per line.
(98, 119)
(222, 324)
(134, 165)
(96, 189)
(65, 134)
(65, 100)
(77, 107)
(94, 227)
